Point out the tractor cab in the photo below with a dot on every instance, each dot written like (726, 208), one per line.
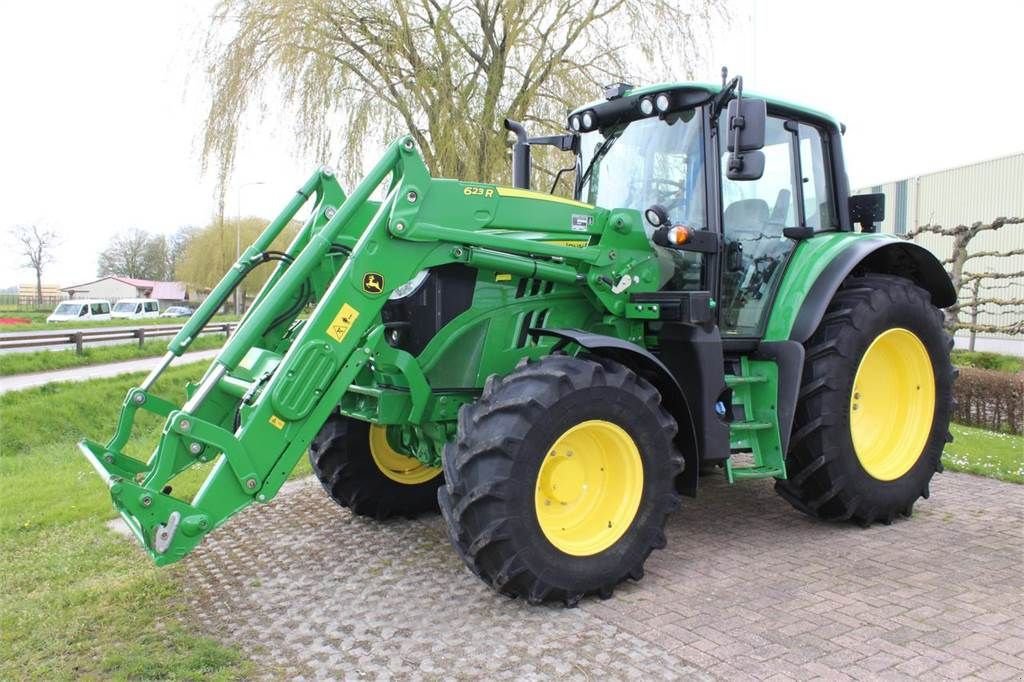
(744, 178)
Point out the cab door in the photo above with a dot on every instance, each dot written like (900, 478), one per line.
(794, 192)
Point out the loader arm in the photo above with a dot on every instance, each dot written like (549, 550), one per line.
(278, 377)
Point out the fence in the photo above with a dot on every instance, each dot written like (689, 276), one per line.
(27, 303)
(78, 339)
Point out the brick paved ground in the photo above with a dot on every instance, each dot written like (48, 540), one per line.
(747, 588)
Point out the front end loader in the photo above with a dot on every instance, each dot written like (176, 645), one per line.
(553, 373)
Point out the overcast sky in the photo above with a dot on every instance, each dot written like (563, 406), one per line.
(102, 103)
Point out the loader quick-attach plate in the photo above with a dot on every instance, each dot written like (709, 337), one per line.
(156, 519)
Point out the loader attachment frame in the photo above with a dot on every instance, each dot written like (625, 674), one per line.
(278, 377)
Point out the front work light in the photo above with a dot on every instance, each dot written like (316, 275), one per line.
(646, 106)
(588, 120)
(662, 102)
(574, 123)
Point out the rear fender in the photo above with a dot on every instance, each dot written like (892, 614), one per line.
(821, 264)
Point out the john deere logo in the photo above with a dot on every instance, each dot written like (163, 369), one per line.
(373, 283)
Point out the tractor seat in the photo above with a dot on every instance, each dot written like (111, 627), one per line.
(746, 215)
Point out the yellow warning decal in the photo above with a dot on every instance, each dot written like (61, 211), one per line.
(276, 422)
(342, 322)
(574, 243)
(528, 194)
(503, 277)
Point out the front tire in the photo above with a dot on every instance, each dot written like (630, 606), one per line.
(359, 469)
(560, 479)
(874, 407)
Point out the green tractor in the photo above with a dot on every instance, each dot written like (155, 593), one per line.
(554, 373)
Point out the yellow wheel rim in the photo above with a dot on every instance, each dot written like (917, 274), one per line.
(393, 464)
(589, 488)
(892, 404)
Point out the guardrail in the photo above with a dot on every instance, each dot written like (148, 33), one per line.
(79, 338)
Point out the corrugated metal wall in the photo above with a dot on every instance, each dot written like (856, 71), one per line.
(961, 196)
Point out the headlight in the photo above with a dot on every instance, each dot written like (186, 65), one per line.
(409, 287)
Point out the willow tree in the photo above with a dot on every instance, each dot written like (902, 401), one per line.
(208, 252)
(358, 74)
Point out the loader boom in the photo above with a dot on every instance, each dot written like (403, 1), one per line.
(278, 378)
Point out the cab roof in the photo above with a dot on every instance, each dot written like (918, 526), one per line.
(713, 89)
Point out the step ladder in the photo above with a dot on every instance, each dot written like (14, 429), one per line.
(755, 394)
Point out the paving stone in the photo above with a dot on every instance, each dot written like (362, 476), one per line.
(746, 589)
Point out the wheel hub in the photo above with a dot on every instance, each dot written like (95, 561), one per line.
(589, 488)
(892, 404)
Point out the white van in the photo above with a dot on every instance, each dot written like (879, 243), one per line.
(81, 310)
(135, 309)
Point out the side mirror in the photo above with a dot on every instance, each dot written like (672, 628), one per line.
(866, 210)
(748, 166)
(747, 120)
(746, 134)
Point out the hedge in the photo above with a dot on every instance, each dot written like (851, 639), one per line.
(989, 399)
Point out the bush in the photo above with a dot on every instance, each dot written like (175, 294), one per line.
(985, 360)
(990, 399)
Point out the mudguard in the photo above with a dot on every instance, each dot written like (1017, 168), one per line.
(644, 363)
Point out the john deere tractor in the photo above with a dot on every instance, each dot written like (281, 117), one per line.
(554, 373)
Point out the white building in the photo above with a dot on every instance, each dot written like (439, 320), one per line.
(115, 288)
(965, 195)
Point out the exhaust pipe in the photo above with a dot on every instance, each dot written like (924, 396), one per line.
(520, 155)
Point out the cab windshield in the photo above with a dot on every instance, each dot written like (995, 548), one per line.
(647, 161)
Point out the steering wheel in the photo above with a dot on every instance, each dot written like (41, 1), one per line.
(674, 190)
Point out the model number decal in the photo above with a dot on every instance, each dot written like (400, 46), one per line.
(478, 191)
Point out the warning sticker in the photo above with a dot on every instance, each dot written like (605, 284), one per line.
(342, 322)
(276, 422)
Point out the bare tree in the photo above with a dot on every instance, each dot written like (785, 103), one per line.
(36, 247)
(979, 284)
(445, 71)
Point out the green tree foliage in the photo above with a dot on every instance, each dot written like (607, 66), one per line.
(446, 71)
(210, 251)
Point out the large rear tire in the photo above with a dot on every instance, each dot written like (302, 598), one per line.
(874, 407)
(359, 469)
(560, 480)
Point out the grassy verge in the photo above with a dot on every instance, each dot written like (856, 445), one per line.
(986, 453)
(39, 323)
(77, 600)
(49, 360)
(986, 360)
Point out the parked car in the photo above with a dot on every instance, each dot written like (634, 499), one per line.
(135, 308)
(81, 310)
(177, 311)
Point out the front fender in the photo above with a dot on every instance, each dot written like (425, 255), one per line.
(820, 265)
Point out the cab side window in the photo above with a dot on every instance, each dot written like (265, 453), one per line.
(150, 306)
(96, 308)
(819, 211)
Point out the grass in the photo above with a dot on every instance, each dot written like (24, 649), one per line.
(39, 322)
(985, 453)
(78, 600)
(49, 360)
(986, 360)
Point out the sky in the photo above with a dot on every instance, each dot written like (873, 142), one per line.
(103, 103)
